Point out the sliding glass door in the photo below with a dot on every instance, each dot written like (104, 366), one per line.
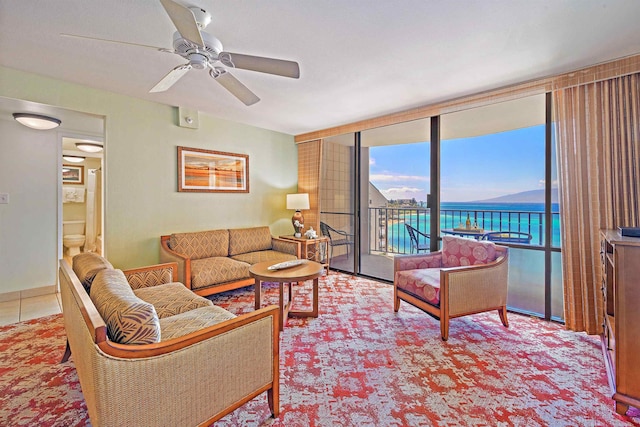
(382, 177)
(394, 184)
(494, 165)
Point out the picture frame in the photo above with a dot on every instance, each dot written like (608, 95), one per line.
(73, 174)
(209, 171)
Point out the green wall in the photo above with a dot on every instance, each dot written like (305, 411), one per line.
(141, 198)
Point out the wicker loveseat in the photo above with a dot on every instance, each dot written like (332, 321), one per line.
(149, 352)
(218, 260)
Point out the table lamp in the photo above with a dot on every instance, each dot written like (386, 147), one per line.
(298, 202)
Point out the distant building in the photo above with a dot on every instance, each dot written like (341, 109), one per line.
(376, 198)
(378, 218)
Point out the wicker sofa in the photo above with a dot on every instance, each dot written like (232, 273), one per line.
(150, 352)
(218, 260)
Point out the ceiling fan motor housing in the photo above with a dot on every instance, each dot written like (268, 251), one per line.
(186, 48)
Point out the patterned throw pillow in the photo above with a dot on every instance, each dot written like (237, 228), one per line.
(86, 265)
(129, 319)
(458, 251)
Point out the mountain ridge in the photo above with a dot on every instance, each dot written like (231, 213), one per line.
(531, 196)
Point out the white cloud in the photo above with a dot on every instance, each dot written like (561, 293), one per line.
(554, 183)
(372, 161)
(396, 178)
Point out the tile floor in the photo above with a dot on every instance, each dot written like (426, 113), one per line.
(29, 308)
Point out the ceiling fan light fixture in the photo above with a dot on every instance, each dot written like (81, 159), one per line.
(89, 147)
(74, 159)
(37, 121)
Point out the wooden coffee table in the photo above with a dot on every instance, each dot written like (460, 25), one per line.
(309, 270)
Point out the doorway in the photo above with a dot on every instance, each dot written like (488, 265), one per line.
(81, 196)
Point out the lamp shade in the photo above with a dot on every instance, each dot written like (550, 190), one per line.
(298, 201)
(36, 121)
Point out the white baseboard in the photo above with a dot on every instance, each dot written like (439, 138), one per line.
(28, 293)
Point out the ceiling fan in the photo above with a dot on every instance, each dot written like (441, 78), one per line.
(204, 51)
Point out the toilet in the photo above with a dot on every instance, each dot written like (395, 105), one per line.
(73, 236)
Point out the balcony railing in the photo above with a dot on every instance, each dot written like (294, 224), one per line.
(388, 234)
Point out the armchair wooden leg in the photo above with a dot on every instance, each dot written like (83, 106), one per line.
(502, 311)
(67, 353)
(274, 404)
(444, 328)
(396, 300)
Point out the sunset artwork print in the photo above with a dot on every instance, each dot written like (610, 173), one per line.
(72, 174)
(212, 171)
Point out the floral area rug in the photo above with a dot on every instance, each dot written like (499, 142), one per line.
(361, 364)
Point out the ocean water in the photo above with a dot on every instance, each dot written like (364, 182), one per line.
(525, 217)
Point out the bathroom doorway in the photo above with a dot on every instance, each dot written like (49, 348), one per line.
(81, 196)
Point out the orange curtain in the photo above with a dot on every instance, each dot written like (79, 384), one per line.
(597, 133)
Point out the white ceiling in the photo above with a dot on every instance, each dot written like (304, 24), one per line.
(358, 59)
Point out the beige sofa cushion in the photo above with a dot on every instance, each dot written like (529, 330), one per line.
(171, 299)
(201, 244)
(213, 271)
(129, 319)
(191, 321)
(260, 256)
(86, 265)
(243, 240)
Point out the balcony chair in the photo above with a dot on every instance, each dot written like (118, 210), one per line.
(336, 238)
(413, 235)
(465, 277)
(508, 237)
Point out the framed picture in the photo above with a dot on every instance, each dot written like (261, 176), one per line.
(212, 171)
(73, 174)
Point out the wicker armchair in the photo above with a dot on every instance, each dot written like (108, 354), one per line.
(465, 277)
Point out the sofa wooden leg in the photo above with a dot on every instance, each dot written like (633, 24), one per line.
(502, 311)
(67, 353)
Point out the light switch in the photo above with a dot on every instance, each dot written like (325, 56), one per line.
(4, 198)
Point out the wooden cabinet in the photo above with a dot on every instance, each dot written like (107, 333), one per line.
(621, 337)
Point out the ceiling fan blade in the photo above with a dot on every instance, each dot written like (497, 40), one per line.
(171, 78)
(161, 49)
(234, 86)
(184, 20)
(279, 67)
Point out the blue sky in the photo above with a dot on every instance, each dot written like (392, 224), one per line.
(475, 168)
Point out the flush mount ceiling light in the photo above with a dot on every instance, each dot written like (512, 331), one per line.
(89, 147)
(73, 159)
(37, 121)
